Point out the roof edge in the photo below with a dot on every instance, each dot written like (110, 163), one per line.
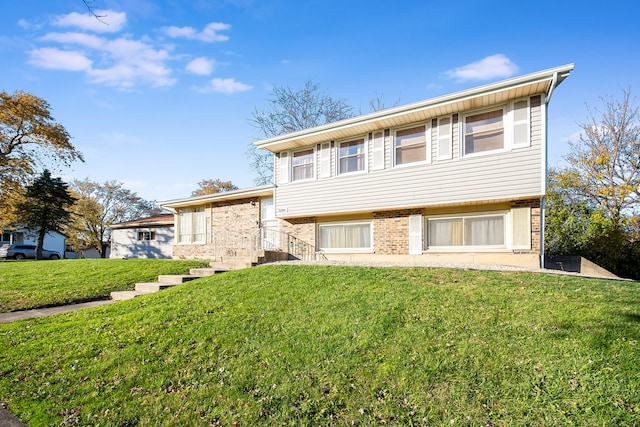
(561, 72)
(226, 195)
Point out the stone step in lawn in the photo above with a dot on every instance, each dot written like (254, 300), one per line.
(176, 279)
(149, 287)
(125, 295)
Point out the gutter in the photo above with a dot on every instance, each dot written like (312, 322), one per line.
(554, 84)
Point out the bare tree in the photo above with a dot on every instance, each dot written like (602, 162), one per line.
(289, 110)
(377, 103)
(90, 7)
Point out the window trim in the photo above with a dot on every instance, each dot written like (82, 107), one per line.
(192, 239)
(292, 177)
(142, 234)
(345, 250)
(427, 144)
(505, 247)
(506, 145)
(365, 155)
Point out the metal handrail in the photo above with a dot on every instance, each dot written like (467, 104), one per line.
(264, 239)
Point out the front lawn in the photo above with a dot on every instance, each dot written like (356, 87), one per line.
(319, 345)
(35, 284)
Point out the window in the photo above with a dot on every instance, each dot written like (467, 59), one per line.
(484, 132)
(344, 236)
(485, 230)
(351, 156)
(410, 145)
(146, 235)
(191, 227)
(302, 165)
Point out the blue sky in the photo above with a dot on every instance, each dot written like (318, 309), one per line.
(159, 96)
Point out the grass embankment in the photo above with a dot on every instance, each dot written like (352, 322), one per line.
(35, 284)
(304, 345)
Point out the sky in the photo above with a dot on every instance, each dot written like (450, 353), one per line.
(158, 95)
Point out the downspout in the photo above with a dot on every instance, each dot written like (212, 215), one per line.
(543, 204)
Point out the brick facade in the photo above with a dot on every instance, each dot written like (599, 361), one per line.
(231, 229)
(391, 231)
(300, 228)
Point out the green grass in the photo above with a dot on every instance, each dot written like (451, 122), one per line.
(312, 345)
(35, 284)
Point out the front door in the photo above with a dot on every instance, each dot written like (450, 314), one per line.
(269, 223)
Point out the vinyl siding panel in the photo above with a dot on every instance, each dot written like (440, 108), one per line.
(497, 175)
(490, 177)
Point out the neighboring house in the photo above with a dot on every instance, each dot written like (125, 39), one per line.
(53, 240)
(459, 178)
(150, 237)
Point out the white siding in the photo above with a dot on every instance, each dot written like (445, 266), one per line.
(125, 243)
(499, 175)
(489, 177)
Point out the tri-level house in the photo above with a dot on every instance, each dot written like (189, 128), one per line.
(460, 178)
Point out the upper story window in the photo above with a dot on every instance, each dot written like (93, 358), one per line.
(302, 165)
(484, 131)
(410, 145)
(352, 156)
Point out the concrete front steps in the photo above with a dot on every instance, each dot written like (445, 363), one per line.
(164, 281)
(167, 281)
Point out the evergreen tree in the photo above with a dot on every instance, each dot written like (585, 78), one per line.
(46, 207)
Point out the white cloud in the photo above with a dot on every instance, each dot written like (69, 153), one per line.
(201, 66)
(23, 23)
(125, 62)
(133, 62)
(209, 34)
(490, 67)
(109, 21)
(226, 86)
(82, 39)
(57, 59)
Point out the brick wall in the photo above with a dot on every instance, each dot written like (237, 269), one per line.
(301, 228)
(391, 231)
(231, 230)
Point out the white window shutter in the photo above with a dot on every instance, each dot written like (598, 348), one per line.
(521, 125)
(521, 228)
(444, 138)
(284, 167)
(325, 160)
(415, 234)
(377, 148)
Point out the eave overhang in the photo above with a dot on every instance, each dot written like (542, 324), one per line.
(541, 82)
(247, 193)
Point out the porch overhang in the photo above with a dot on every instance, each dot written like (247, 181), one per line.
(542, 82)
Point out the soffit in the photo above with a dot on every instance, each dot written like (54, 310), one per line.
(484, 96)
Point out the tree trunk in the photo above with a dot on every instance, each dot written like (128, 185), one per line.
(40, 243)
